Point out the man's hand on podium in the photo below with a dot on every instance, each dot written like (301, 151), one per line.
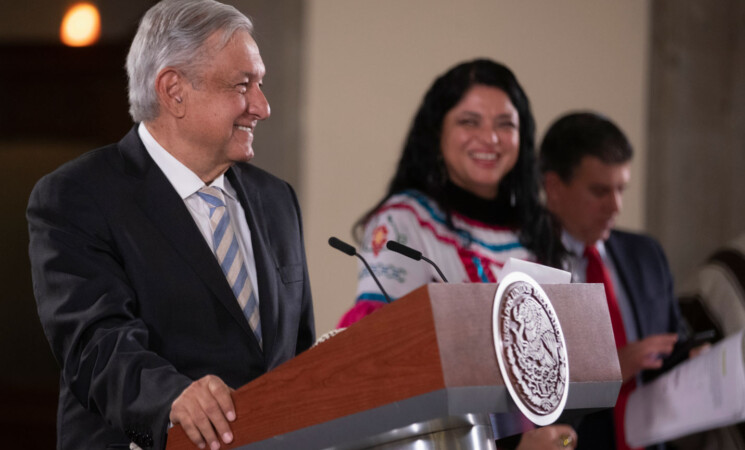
(203, 408)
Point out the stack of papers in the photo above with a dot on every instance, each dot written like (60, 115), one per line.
(700, 394)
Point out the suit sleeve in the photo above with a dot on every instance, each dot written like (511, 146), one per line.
(89, 313)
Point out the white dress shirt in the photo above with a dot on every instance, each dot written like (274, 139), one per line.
(187, 184)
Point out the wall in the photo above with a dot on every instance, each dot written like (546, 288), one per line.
(367, 65)
(38, 21)
(697, 129)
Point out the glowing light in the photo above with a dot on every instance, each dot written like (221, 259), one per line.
(81, 25)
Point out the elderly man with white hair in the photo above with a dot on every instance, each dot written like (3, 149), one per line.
(167, 270)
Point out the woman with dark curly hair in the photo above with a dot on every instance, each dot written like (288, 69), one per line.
(465, 192)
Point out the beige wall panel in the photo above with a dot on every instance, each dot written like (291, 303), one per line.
(697, 129)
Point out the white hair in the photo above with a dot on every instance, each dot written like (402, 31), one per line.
(172, 34)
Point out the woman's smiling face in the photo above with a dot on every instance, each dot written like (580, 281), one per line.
(480, 140)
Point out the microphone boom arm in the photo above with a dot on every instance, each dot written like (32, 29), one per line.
(416, 255)
(442, 275)
(349, 250)
(369, 269)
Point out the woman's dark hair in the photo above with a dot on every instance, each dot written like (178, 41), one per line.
(422, 168)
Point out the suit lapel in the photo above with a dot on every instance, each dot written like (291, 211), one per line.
(167, 211)
(628, 272)
(266, 266)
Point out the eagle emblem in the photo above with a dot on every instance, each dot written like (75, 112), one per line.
(530, 348)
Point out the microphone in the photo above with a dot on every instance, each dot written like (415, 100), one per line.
(416, 255)
(349, 250)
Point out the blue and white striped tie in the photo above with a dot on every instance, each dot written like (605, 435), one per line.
(230, 257)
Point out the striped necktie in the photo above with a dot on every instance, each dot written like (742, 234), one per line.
(230, 257)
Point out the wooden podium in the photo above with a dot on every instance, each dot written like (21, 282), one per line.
(421, 368)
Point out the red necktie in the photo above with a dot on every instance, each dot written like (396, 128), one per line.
(597, 273)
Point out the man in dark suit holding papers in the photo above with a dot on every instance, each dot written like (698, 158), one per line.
(167, 270)
(585, 160)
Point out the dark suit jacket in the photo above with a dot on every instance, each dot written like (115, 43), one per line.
(133, 302)
(644, 272)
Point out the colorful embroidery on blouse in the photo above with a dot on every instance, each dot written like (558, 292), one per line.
(379, 238)
(472, 252)
(387, 271)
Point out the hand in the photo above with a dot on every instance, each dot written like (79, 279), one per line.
(645, 354)
(550, 437)
(701, 349)
(203, 409)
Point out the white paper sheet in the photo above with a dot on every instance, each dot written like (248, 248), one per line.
(700, 394)
(540, 273)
